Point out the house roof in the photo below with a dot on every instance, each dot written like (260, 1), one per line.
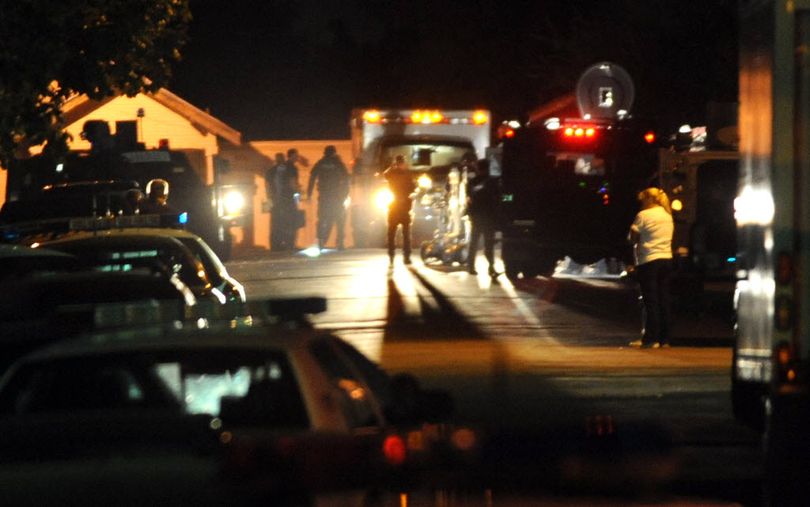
(80, 106)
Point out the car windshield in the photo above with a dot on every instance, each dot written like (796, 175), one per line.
(424, 155)
(160, 257)
(252, 387)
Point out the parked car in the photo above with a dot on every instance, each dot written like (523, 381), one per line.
(38, 309)
(156, 250)
(280, 409)
(214, 268)
(19, 260)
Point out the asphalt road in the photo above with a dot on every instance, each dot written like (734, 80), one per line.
(543, 366)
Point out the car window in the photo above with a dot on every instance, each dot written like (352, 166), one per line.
(374, 376)
(68, 386)
(422, 156)
(253, 388)
(355, 400)
(213, 266)
(155, 259)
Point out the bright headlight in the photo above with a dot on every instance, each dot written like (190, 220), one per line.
(424, 182)
(233, 203)
(383, 198)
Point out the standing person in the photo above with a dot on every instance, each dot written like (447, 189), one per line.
(651, 233)
(400, 182)
(286, 215)
(333, 188)
(271, 190)
(132, 201)
(482, 205)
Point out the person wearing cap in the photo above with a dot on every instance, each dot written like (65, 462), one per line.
(401, 183)
(332, 178)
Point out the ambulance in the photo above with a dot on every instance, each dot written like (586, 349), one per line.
(434, 143)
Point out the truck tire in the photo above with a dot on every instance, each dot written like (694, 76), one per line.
(787, 450)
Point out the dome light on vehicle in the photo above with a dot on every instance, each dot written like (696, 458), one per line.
(427, 117)
(480, 117)
(372, 116)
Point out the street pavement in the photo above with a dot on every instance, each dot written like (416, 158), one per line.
(535, 356)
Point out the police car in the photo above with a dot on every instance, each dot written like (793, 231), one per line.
(19, 260)
(277, 408)
(144, 243)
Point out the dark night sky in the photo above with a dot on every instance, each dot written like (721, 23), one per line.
(295, 68)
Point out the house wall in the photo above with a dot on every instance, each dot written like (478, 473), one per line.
(158, 122)
(248, 164)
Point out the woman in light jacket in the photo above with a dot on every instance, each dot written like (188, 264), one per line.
(651, 233)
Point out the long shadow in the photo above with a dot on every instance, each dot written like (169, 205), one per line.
(700, 318)
(442, 320)
(530, 429)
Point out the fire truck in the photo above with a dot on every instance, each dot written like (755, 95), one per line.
(434, 144)
(771, 361)
(570, 185)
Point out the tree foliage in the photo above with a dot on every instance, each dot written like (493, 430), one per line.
(51, 50)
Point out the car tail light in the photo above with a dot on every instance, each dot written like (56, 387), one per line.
(786, 362)
(649, 137)
(394, 450)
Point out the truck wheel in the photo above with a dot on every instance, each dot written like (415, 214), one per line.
(786, 450)
(543, 266)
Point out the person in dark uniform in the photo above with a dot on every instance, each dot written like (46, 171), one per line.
(333, 188)
(402, 185)
(482, 205)
(285, 203)
(270, 190)
(132, 201)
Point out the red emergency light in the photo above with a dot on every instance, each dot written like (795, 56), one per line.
(579, 132)
(649, 137)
